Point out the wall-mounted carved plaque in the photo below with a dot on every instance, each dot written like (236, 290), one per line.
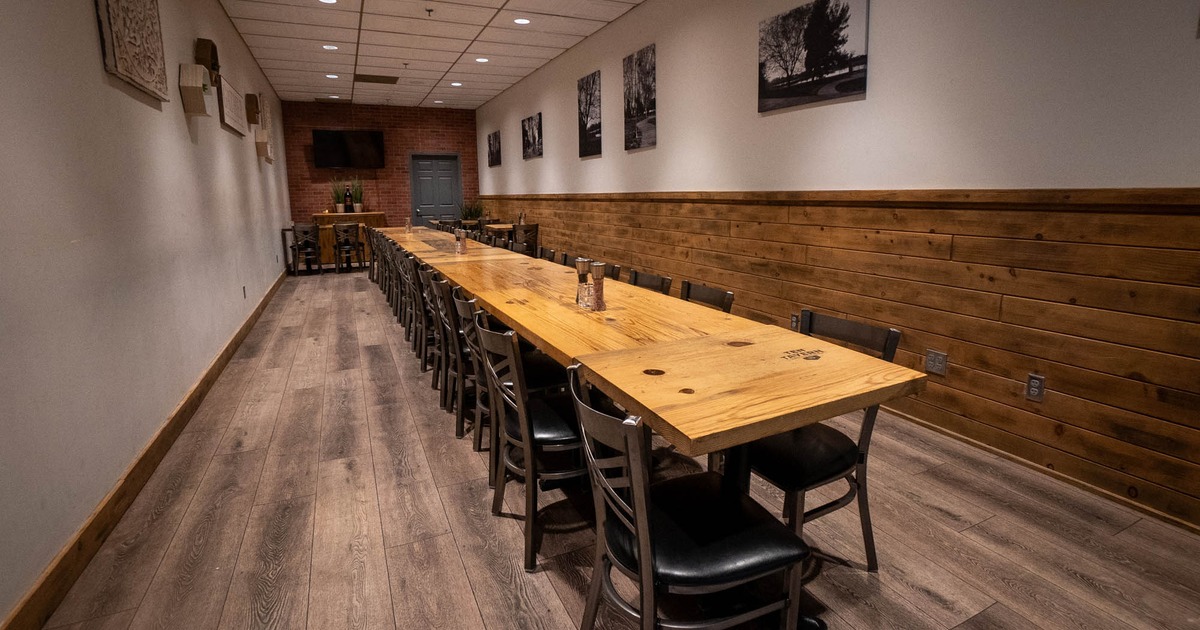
(131, 35)
(233, 107)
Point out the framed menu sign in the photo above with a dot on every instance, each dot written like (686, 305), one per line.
(233, 107)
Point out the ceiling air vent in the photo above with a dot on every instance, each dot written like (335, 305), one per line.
(375, 78)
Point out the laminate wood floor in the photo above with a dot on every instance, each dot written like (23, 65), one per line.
(320, 486)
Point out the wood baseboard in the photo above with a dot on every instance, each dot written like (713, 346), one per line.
(1112, 496)
(51, 587)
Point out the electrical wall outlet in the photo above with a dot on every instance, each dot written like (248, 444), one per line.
(1035, 387)
(795, 321)
(935, 362)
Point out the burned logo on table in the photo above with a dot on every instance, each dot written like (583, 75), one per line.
(801, 353)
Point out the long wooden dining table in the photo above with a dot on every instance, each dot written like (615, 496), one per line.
(705, 380)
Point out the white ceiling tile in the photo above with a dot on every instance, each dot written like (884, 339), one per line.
(494, 70)
(342, 5)
(312, 13)
(418, 26)
(298, 31)
(514, 50)
(405, 40)
(550, 23)
(444, 11)
(530, 38)
(297, 64)
(428, 75)
(602, 10)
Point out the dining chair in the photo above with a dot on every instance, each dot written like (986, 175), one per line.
(612, 271)
(347, 246)
(818, 454)
(526, 233)
(567, 259)
(648, 280)
(718, 298)
(538, 436)
(306, 245)
(545, 253)
(687, 535)
(475, 387)
(436, 345)
(459, 372)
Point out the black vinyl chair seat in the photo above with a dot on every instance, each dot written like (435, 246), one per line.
(705, 535)
(541, 371)
(828, 454)
(552, 419)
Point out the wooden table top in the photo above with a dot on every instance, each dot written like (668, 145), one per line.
(704, 379)
(499, 227)
(537, 299)
(712, 393)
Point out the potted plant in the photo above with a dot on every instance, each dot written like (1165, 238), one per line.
(356, 193)
(471, 209)
(335, 188)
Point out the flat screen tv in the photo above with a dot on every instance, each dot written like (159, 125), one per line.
(347, 148)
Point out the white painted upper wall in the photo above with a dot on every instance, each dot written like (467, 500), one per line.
(960, 94)
(128, 233)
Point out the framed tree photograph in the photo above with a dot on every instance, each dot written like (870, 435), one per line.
(494, 148)
(815, 52)
(131, 36)
(531, 136)
(641, 116)
(589, 115)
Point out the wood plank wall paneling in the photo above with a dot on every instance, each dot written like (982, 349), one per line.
(1097, 290)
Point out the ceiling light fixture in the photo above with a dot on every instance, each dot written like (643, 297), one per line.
(438, 102)
(482, 59)
(329, 47)
(328, 1)
(331, 76)
(456, 84)
(521, 21)
(334, 96)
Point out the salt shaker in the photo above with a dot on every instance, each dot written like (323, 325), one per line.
(460, 242)
(581, 268)
(408, 225)
(597, 286)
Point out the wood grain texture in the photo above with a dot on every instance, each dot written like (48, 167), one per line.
(270, 584)
(349, 587)
(344, 427)
(117, 577)
(200, 561)
(118, 621)
(996, 617)
(491, 551)
(436, 590)
(1100, 289)
(711, 393)
(252, 424)
(36, 606)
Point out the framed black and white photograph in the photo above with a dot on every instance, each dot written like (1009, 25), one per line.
(589, 115)
(494, 148)
(531, 136)
(815, 52)
(641, 118)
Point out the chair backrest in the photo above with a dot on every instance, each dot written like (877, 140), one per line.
(718, 298)
(501, 359)
(448, 314)
(545, 253)
(612, 271)
(465, 310)
(306, 235)
(881, 342)
(567, 259)
(618, 460)
(520, 248)
(526, 233)
(345, 234)
(647, 280)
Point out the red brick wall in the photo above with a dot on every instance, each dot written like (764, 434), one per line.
(406, 130)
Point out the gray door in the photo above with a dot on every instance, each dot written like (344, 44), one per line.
(436, 187)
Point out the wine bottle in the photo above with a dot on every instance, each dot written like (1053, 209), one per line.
(349, 200)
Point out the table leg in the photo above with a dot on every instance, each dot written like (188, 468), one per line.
(737, 469)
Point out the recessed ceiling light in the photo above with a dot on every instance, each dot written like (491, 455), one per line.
(334, 96)
(482, 59)
(456, 84)
(331, 76)
(329, 1)
(329, 47)
(521, 21)
(438, 102)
